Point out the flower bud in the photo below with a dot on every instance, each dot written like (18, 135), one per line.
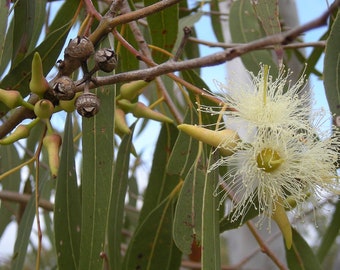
(139, 110)
(131, 90)
(43, 109)
(87, 105)
(22, 131)
(38, 83)
(121, 127)
(11, 98)
(64, 88)
(52, 144)
(226, 140)
(281, 219)
(80, 48)
(106, 59)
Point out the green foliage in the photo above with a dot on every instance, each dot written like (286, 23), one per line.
(96, 213)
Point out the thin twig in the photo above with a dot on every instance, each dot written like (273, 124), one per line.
(264, 248)
(296, 45)
(24, 198)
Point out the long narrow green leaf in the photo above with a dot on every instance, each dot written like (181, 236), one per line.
(3, 27)
(163, 28)
(116, 213)
(9, 158)
(331, 233)
(160, 182)
(216, 20)
(97, 179)
(211, 255)
(332, 67)
(245, 27)
(24, 11)
(25, 229)
(301, 256)
(185, 149)
(67, 211)
(188, 214)
(152, 247)
(39, 21)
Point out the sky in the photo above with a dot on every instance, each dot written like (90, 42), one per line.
(306, 13)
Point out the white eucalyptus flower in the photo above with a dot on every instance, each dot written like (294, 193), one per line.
(263, 102)
(283, 158)
(279, 166)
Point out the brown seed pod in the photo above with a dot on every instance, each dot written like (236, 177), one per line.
(87, 105)
(80, 48)
(64, 88)
(106, 59)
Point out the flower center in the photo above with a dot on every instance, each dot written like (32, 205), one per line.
(268, 160)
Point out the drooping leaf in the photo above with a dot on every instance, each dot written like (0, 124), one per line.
(185, 149)
(301, 256)
(25, 228)
(244, 28)
(163, 27)
(24, 11)
(39, 21)
(67, 211)
(160, 182)
(151, 246)
(9, 158)
(211, 258)
(116, 213)
(332, 67)
(97, 179)
(3, 29)
(216, 20)
(268, 14)
(330, 235)
(188, 214)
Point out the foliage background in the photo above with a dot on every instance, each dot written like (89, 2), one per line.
(96, 209)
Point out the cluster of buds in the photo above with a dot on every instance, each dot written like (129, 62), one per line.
(127, 102)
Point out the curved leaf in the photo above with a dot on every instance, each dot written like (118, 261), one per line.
(163, 27)
(116, 212)
(244, 28)
(301, 256)
(67, 210)
(97, 179)
(152, 247)
(332, 67)
(9, 158)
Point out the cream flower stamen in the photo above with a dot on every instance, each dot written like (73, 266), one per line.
(284, 156)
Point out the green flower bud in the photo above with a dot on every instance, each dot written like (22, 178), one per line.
(38, 83)
(281, 219)
(131, 90)
(52, 143)
(11, 98)
(225, 139)
(43, 109)
(22, 131)
(139, 110)
(121, 127)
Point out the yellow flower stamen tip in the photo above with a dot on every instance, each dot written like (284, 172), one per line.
(268, 160)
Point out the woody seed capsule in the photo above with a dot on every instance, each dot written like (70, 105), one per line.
(79, 48)
(106, 59)
(87, 105)
(64, 88)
